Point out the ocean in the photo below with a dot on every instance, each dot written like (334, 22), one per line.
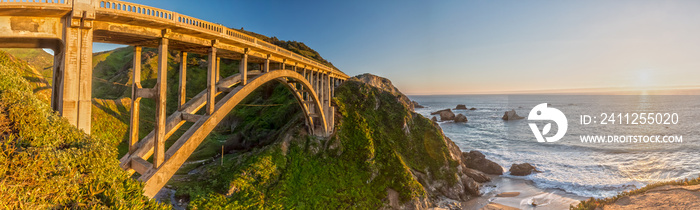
(600, 169)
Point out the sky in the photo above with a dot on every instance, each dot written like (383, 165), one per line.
(464, 47)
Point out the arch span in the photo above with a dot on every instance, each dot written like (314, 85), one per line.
(156, 177)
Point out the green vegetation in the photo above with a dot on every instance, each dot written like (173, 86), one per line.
(294, 46)
(47, 163)
(594, 203)
(38, 58)
(40, 86)
(377, 145)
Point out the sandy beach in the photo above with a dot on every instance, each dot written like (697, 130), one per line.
(513, 193)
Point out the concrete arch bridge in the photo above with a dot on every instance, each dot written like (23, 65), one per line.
(70, 27)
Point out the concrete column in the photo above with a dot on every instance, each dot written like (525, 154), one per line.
(328, 89)
(135, 102)
(161, 87)
(321, 87)
(218, 70)
(311, 80)
(303, 93)
(211, 81)
(72, 91)
(266, 65)
(57, 87)
(283, 65)
(183, 80)
(243, 68)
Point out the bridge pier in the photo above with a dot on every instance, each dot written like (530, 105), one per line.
(71, 94)
(211, 81)
(183, 81)
(266, 65)
(135, 102)
(161, 88)
(243, 67)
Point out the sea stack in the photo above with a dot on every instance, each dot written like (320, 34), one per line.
(511, 115)
(461, 107)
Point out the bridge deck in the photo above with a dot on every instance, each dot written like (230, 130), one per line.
(127, 23)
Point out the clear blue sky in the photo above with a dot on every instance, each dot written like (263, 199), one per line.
(438, 47)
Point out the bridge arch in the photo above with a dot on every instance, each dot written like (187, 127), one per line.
(156, 177)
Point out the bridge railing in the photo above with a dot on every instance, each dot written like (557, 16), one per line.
(132, 8)
(38, 1)
(183, 21)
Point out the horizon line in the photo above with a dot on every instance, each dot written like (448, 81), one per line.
(656, 90)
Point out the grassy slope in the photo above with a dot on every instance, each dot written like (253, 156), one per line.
(38, 58)
(31, 71)
(370, 153)
(47, 163)
(599, 203)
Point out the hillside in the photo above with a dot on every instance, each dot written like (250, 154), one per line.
(294, 46)
(47, 163)
(38, 58)
(382, 156)
(33, 71)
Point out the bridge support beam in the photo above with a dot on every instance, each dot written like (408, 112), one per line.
(266, 65)
(182, 93)
(72, 90)
(135, 102)
(218, 70)
(243, 68)
(161, 87)
(211, 81)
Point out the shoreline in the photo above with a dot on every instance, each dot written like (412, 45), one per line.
(525, 194)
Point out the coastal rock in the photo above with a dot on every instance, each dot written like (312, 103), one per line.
(416, 105)
(447, 115)
(461, 118)
(473, 108)
(434, 119)
(476, 175)
(461, 107)
(476, 160)
(511, 115)
(522, 169)
(439, 111)
(471, 186)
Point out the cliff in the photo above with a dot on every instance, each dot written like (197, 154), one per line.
(385, 85)
(382, 155)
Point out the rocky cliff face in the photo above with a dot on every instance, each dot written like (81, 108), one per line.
(382, 156)
(385, 85)
(372, 104)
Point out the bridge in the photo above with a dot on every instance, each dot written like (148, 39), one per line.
(69, 28)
